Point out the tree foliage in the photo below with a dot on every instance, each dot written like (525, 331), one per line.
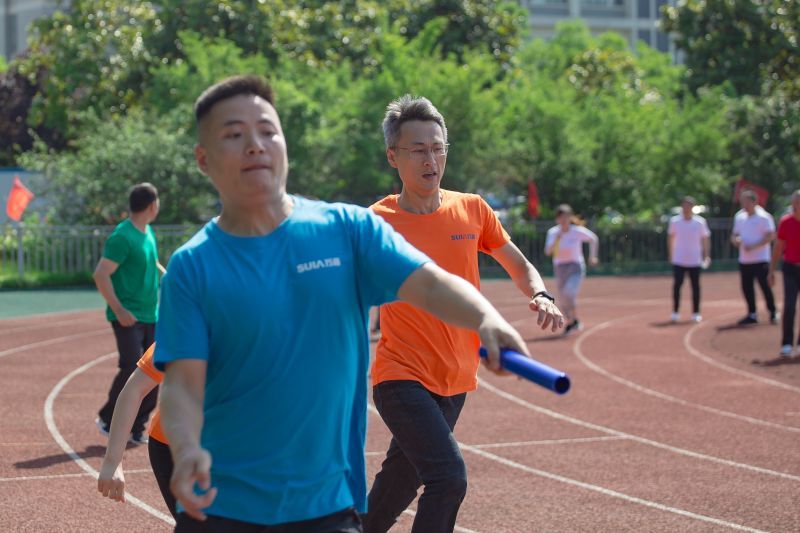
(594, 124)
(749, 44)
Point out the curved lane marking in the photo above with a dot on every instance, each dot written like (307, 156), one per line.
(51, 426)
(24, 347)
(578, 351)
(47, 325)
(641, 440)
(687, 343)
(605, 491)
(589, 486)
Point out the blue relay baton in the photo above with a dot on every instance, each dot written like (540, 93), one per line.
(541, 374)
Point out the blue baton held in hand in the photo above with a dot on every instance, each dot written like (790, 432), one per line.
(525, 367)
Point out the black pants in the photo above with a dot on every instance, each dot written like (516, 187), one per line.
(345, 521)
(791, 285)
(749, 274)
(423, 451)
(131, 344)
(162, 465)
(678, 273)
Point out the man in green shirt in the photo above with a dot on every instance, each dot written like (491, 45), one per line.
(127, 276)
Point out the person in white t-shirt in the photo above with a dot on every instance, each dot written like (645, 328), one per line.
(689, 251)
(564, 243)
(753, 231)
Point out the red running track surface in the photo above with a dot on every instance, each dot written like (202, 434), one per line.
(668, 427)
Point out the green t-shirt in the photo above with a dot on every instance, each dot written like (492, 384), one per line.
(136, 279)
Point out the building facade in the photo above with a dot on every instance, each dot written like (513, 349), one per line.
(636, 20)
(15, 19)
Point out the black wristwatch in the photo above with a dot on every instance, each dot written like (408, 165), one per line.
(545, 294)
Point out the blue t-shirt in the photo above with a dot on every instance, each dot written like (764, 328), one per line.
(282, 322)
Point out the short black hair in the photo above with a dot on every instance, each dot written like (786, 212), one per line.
(141, 196)
(230, 87)
(408, 108)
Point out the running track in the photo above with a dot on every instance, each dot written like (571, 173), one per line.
(667, 427)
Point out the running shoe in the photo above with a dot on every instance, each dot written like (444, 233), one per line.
(102, 426)
(138, 438)
(749, 319)
(786, 350)
(674, 317)
(697, 317)
(774, 318)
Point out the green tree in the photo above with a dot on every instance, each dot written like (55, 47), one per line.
(744, 43)
(765, 143)
(89, 184)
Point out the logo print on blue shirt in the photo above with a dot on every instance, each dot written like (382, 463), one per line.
(319, 263)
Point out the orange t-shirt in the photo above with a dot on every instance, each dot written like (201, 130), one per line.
(146, 365)
(415, 345)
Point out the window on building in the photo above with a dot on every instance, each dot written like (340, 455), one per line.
(644, 9)
(606, 3)
(644, 35)
(662, 42)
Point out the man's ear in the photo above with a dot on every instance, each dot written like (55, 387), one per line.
(390, 157)
(200, 157)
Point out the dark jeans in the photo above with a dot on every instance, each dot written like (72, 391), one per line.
(791, 284)
(162, 465)
(345, 521)
(749, 274)
(423, 451)
(131, 344)
(678, 273)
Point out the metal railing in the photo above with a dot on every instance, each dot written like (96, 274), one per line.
(77, 249)
(70, 249)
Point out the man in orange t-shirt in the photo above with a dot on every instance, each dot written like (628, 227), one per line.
(111, 480)
(423, 367)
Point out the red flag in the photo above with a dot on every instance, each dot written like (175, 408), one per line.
(533, 200)
(761, 192)
(18, 200)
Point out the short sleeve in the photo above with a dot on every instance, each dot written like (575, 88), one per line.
(181, 332)
(116, 248)
(147, 366)
(493, 235)
(671, 228)
(706, 231)
(383, 256)
(551, 237)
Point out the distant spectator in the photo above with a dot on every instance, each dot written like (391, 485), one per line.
(564, 243)
(689, 251)
(787, 247)
(753, 231)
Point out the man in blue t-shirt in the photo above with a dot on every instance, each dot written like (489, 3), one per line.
(263, 333)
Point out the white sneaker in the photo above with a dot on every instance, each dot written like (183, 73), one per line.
(786, 350)
(696, 317)
(674, 317)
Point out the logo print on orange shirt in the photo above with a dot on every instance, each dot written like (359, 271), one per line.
(463, 237)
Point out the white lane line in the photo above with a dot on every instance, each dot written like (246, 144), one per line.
(51, 426)
(589, 486)
(641, 440)
(605, 491)
(519, 444)
(687, 343)
(52, 313)
(49, 342)
(60, 476)
(578, 351)
(47, 325)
